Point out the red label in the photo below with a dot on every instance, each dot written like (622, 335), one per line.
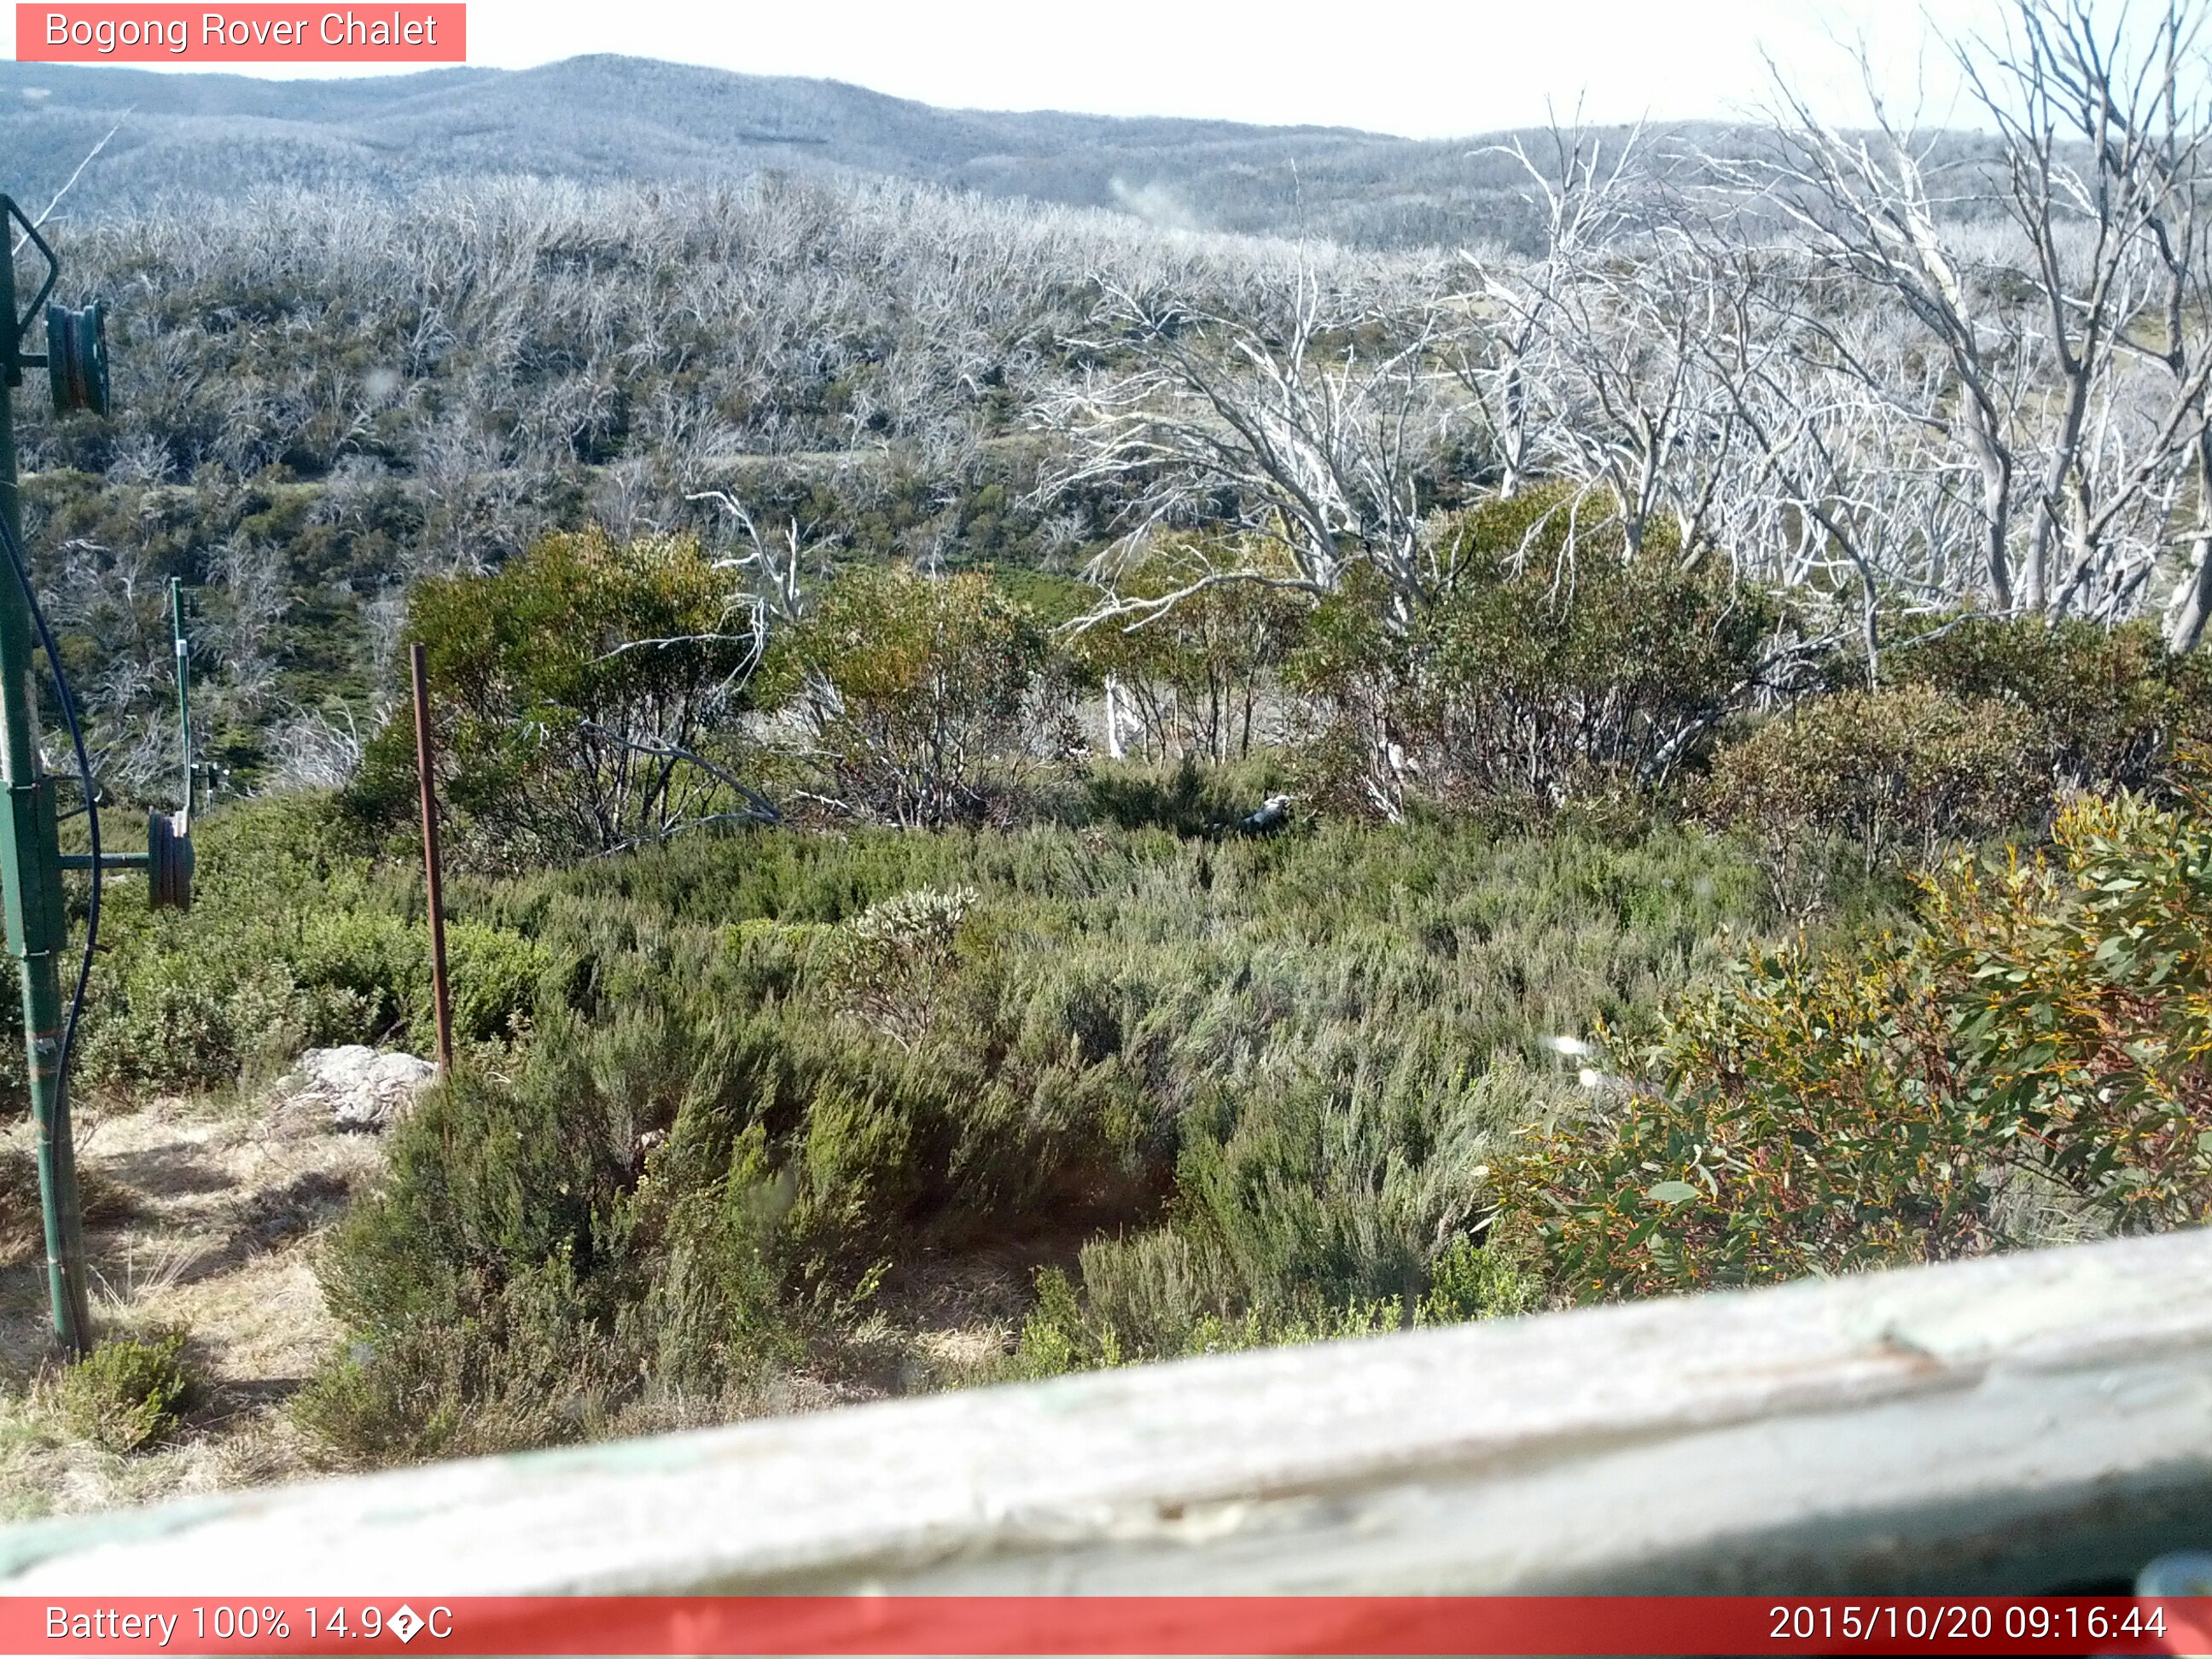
(1161, 1627)
(242, 34)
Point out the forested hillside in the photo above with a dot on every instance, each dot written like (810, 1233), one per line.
(322, 397)
(602, 119)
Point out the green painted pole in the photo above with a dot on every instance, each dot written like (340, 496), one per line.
(184, 692)
(31, 873)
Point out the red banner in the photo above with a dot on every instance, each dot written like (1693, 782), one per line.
(1229, 1626)
(307, 33)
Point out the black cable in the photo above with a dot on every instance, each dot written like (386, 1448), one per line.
(15, 551)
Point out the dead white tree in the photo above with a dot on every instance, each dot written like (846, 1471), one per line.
(1313, 430)
(1643, 415)
(1848, 487)
(310, 749)
(1506, 363)
(2075, 328)
(2100, 122)
(777, 560)
(1864, 206)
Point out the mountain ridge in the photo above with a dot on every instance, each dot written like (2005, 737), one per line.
(606, 117)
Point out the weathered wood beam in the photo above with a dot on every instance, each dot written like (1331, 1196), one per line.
(2015, 1425)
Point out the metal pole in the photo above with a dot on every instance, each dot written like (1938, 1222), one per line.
(427, 774)
(184, 688)
(30, 870)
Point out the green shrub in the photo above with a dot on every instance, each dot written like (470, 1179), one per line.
(1793, 1126)
(1265, 1079)
(498, 978)
(892, 964)
(1901, 774)
(1277, 1236)
(1281, 1064)
(2081, 989)
(522, 1368)
(1554, 664)
(925, 700)
(2044, 1025)
(296, 939)
(714, 1317)
(2096, 707)
(1468, 1281)
(1188, 800)
(1194, 675)
(1055, 1338)
(1062, 1334)
(489, 1179)
(484, 1283)
(587, 696)
(127, 1392)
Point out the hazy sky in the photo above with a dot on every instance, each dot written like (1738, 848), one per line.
(1427, 68)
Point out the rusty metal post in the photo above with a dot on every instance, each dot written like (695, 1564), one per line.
(441, 998)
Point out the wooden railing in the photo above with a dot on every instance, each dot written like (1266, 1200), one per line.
(2031, 1423)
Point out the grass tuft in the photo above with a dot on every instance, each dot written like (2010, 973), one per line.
(127, 1393)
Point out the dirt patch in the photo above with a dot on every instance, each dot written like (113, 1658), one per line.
(200, 1215)
(206, 1216)
(952, 1319)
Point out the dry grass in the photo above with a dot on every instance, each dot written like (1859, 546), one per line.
(953, 1320)
(203, 1216)
(20, 1234)
(206, 1219)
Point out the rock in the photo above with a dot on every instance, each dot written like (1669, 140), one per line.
(360, 1087)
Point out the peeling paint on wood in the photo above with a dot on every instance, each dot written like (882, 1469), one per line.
(2025, 1423)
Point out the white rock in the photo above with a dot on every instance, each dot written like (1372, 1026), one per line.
(360, 1087)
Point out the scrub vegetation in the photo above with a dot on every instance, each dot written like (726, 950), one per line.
(1024, 794)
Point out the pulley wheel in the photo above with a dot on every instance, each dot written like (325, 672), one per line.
(169, 862)
(76, 358)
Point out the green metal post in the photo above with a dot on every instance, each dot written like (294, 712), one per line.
(31, 872)
(184, 688)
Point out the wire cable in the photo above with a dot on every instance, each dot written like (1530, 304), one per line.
(68, 701)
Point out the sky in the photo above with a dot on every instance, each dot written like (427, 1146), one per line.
(1421, 68)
